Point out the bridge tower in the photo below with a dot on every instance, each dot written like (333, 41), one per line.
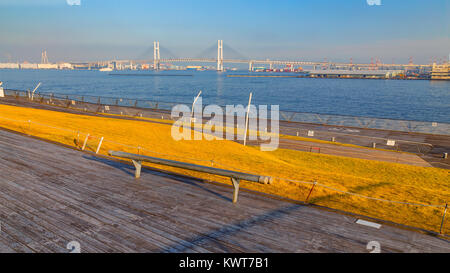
(44, 59)
(220, 55)
(156, 56)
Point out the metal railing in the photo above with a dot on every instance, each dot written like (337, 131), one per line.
(368, 122)
(161, 110)
(428, 127)
(235, 176)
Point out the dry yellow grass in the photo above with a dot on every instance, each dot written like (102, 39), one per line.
(313, 140)
(391, 181)
(258, 133)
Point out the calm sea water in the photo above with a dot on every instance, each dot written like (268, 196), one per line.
(396, 99)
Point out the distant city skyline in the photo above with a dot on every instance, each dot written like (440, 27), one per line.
(291, 29)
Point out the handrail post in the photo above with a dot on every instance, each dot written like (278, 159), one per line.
(85, 142)
(312, 188)
(235, 182)
(99, 145)
(98, 105)
(443, 218)
(138, 165)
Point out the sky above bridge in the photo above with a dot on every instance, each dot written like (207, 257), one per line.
(289, 29)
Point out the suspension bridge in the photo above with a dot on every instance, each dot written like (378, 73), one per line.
(220, 60)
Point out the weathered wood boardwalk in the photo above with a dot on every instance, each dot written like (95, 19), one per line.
(51, 195)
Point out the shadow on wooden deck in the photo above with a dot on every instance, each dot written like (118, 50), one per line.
(218, 235)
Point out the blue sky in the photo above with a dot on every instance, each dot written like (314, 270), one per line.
(287, 29)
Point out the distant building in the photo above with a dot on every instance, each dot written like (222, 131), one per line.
(65, 66)
(28, 66)
(9, 65)
(440, 71)
(47, 66)
(338, 73)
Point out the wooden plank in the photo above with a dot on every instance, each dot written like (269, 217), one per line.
(70, 195)
(53, 218)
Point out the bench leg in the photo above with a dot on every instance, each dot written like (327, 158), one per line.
(236, 189)
(138, 166)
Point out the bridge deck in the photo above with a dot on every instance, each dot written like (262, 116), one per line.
(51, 195)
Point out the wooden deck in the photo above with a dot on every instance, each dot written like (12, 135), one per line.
(51, 195)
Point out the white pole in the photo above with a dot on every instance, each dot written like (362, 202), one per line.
(246, 119)
(2, 94)
(32, 93)
(99, 145)
(195, 100)
(85, 142)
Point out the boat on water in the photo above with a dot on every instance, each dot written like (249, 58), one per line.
(106, 69)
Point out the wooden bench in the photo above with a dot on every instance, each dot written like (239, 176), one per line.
(236, 177)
